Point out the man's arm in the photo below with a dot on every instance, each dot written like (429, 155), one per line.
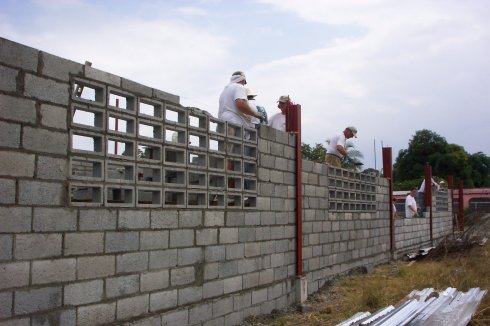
(342, 150)
(243, 106)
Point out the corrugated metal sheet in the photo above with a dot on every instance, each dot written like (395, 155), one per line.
(425, 308)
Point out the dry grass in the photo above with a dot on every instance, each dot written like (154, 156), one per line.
(390, 283)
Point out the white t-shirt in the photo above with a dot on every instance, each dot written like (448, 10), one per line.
(278, 121)
(227, 107)
(334, 141)
(410, 201)
(253, 106)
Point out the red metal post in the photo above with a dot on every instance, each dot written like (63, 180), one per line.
(450, 187)
(388, 174)
(461, 206)
(293, 125)
(117, 127)
(428, 194)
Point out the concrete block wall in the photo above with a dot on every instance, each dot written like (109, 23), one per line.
(75, 252)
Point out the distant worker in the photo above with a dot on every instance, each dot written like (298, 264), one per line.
(278, 120)
(233, 104)
(421, 193)
(411, 204)
(256, 107)
(336, 148)
(394, 207)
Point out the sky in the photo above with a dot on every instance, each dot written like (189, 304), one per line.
(389, 68)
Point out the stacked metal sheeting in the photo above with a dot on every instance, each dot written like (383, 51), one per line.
(425, 308)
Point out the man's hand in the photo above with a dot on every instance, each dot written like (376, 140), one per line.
(348, 159)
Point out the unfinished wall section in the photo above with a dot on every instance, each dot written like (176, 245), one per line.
(120, 206)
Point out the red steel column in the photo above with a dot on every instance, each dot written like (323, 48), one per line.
(388, 174)
(461, 206)
(428, 194)
(450, 187)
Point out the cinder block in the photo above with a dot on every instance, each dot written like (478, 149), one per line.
(52, 168)
(98, 314)
(206, 237)
(14, 275)
(121, 286)
(46, 89)
(132, 86)
(213, 289)
(18, 55)
(51, 271)
(175, 318)
(8, 82)
(45, 141)
(164, 219)
(163, 300)
(181, 238)
(83, 292)
(252, 249)
(235, 251)
(181, 276)
(227, 269)
(235, 318)
(242, 301)
(190, 295)
(9, 134)
(84, 243)
(5, 304)
(189, 256)
(53, 116)
(98, 219)
(154, 280)
(132, 262)
(151, 321)
(163, 259)
(166, 96)
(211, 271)
(274, 291)
(17, 109)
(259, 296)
(5, 246)
(36, 246)
(16, 164)
(132, 307)
(215, 253)
(214, 218)
(54, 219)
(36, 300)
(97, 266)
(7, 190)
(40, 193)
(251, 280)
(190, 219)
(102, 76)
(66, 317)
(228, 235)
(266, 276)
(134, 219)
(121, 241)
(222, 307)
(59, 68)
(153, 240)
(233, 284)
(200, 313)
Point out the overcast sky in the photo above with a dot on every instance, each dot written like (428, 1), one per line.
(387, 67)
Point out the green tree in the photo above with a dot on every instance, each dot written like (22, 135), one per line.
(480, 169)
(316, 154)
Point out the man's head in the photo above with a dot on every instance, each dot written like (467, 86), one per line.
(238, 77)
(350, 132)
(413, 191)
(250, 94)
(283, 103)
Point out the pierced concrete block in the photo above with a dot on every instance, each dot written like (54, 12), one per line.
(175, 115)
(87, 142)
(234, 183)
(234, 200)
(149, 174)
(87, 117)
(83, 168)
(149, 130)
(121, 124)
(175, 136)
(250, 151)
(149, 197)
(175, 156)
(234, 148)
(233, 165)
(120, 148)
(196, 179)
(197, 141)
(217, 126)
(174, 177)
(150, 109)
(250, 135)
(121, 101)
(217, 145)
(234, 131)
(149, 152)
(250, 185)
(196, 199)
(249, 201)
(88, 92)
(196, 160)
(249, 168)
(174, 198)
(85, 194)
(216, 162)
(197, 121)
(216, 181)
(119, 171)
(119, 195)
(216, 200)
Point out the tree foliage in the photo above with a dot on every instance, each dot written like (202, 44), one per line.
(317, 154)
(427, 147)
